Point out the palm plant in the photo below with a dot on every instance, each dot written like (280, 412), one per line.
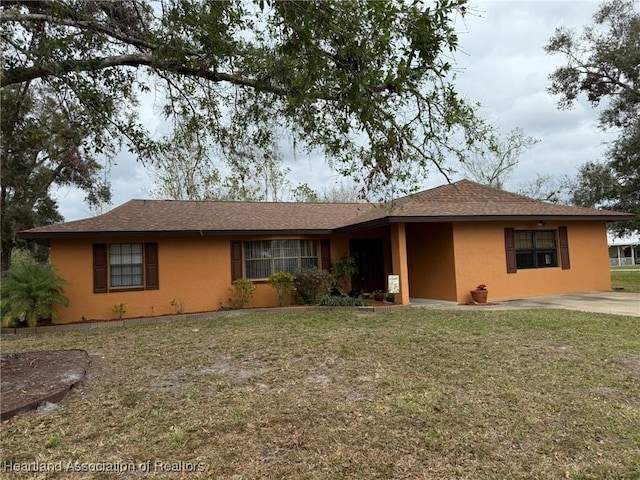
(29, 290)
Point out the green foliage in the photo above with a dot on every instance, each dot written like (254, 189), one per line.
(311, 283)
(341, 301)
(304, 193)
(119, 309)
(282, 283)
(343, 269)
(29, 291)
(241, 292)
(45, 142)
(368, 83)
(603, 63)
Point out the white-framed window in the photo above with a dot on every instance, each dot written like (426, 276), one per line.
(126, 265)
(262, 258)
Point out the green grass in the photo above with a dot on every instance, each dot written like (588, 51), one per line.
(326, 395)
(629, 281)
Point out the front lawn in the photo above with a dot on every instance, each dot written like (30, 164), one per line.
(328, 395)
(626, 279)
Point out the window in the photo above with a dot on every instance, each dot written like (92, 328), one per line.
(266, 257)
(125, 266)
(536, 249)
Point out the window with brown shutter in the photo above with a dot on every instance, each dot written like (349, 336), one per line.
(236, 260)
(125, 266)
(152, 280)
(325, 254)
(564, 248)
(100, 277)
(510, 249)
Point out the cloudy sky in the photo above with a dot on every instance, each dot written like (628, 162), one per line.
(501, 64)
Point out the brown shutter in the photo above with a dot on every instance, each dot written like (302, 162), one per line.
(152, 280)
(510, 249)
(100, 277)
(325, 254)
(564, 248)
(236, 260)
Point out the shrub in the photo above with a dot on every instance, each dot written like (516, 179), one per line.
(310, 283)
(119, 309)
(339, 301)
(29, 290)
(282, 282)
(343, 269)
(241, 292)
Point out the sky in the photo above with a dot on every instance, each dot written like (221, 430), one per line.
(500, 63)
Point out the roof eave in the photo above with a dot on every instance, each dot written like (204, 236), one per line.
(27, 235)
(510, 218)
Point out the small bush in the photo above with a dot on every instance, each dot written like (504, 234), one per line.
(282, 283)
(343, 269)
(339, 301)
(241, 292)
(119, 309)
(311, 283)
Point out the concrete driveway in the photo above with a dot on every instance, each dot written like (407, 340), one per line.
(617, 303)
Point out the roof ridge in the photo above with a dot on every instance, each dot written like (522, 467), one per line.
(243, 202)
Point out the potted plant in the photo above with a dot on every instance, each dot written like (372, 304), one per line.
(479, 295)
(378, 295)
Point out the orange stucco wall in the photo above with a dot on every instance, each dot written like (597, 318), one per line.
(479, 251)
(195, 271)
(431, 261)
(444, 261)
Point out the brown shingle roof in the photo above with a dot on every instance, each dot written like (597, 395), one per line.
(463, 200)
(467, 200)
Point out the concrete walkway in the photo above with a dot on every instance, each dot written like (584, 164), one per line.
(617, 303)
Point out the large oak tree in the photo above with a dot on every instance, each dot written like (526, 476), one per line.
(367, 82)
(603, 63)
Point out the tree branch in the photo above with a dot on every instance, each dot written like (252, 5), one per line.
(19, 75)
(81, 24)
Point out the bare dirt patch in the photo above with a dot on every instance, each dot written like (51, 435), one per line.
(30, 379)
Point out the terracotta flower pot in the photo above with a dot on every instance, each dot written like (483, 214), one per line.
(479, 296)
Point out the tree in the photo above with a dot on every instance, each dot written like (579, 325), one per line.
(494, 163)
(603, 63)
(183, 169)
(29, 291)
(304, 193)
(42, 146)
(368, 83)
(341, 193)
(549, 188)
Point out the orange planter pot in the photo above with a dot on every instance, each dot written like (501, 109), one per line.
(479, 296)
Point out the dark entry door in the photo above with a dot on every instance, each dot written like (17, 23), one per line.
(369, 256)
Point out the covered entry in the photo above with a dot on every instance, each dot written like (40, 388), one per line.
(369, 256)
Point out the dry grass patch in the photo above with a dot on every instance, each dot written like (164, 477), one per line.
(413, 394)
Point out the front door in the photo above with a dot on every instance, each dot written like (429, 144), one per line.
(369, 256)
